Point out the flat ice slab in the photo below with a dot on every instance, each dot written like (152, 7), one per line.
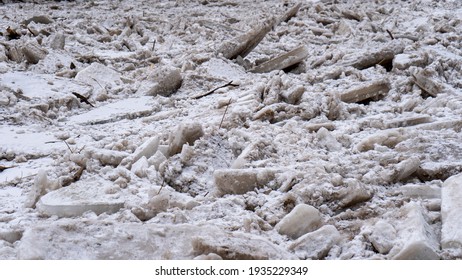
(123, 109)
(28, 140)
(40, 85)
(77, 199)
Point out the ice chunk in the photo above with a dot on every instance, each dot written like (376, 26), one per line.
(389, 138)
(240, 181)
(157, 159)
(240, 246)
(420, 242)
(41, 186)
(160, 200)
(147, 149)
(158, 203)
(33, 52)
(58, 41)
(316, 244)
(405, 168)
(185, 133)
(451, 213)
(383, 237)
(106, 157)
(355, 192)
(11, 235)
(162, 81)
(140, 167)
(77, 199)
(402, 61)
(97, 75)
(327, 140)
(293, 94)
(422, 191)
(302, 219)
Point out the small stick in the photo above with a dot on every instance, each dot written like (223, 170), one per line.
(161, 187)
(68, 146)
(98, 84)
(391, 35)
(226, 109)
(215, 89)
(81, 149)
(153, 45)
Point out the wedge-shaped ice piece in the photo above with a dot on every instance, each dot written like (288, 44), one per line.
(316, 244)
(240, 181)
(364, 92)
(244, 44)
(162, 81)
(282, 61)
(302, 219)
(186, 133)
(33, 52)
(427, 84)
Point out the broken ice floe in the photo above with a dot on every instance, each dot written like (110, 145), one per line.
(79, 198)
(124, 109)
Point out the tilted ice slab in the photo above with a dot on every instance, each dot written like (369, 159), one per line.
(124, 109)
(79, 198)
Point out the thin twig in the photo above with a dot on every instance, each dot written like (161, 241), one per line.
(226, 109)
(153, 45)
(161, 187)
(81, 149)
(391, 35)
(215, 89)
(68, 146)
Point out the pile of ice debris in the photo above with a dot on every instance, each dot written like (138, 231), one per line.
(231, 129)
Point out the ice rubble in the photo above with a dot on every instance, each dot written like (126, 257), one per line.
(348, 152)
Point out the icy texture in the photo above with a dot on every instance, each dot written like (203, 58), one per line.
(302, 219)
(98, 75)
(365, 129)
(383, 237)
(186, 133)
(106, 157)
(77, 199)
(240, 181)
(316, 244)
(420, 242)
(451, 211)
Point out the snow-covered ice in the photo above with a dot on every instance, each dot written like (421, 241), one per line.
(129, 132)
